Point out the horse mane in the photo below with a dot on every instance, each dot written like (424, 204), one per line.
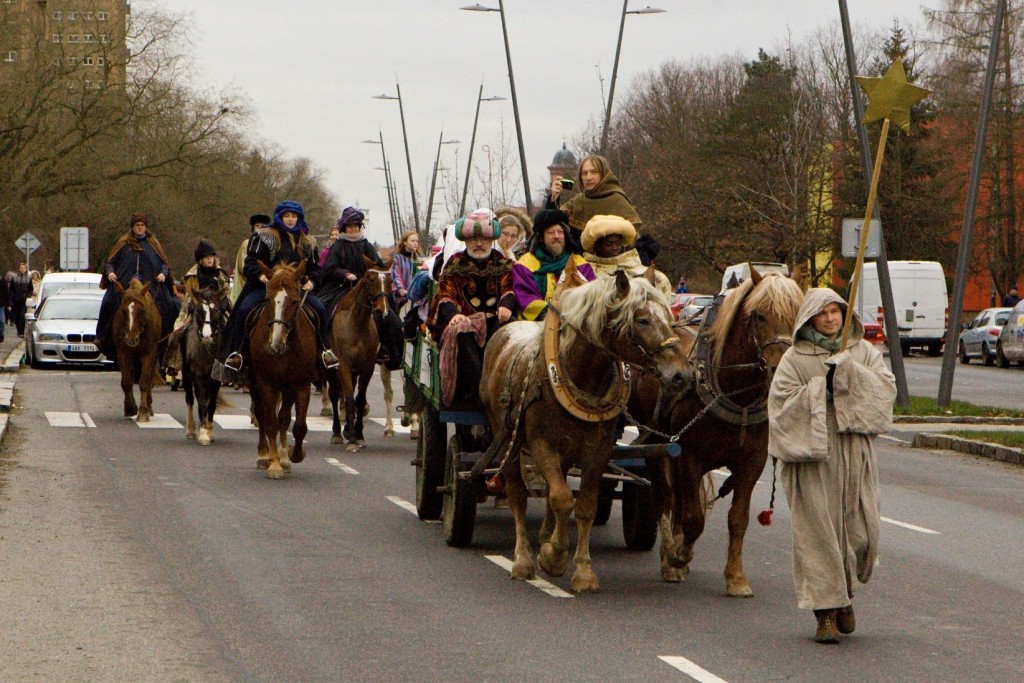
(133, 292)
(592, 308)
(775, 295)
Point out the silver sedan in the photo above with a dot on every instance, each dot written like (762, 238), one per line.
(64, 330)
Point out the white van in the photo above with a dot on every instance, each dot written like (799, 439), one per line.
(921, 301)
(742, 271)
(56, 282)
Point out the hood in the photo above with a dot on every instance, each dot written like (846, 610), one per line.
(814, 301)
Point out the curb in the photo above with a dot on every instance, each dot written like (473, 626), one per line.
(953, 419)
(9, 371)
(13, 361)
(984, 449)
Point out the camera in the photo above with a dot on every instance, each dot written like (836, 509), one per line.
(567, 184)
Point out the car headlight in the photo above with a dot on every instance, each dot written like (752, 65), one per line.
(50, 337)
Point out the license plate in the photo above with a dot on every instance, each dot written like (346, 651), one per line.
(905, 333)
(81, 348)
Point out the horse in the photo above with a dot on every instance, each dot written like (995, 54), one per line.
(354, 340)
(281, 354)
(200, 341)
(723, 422)
(553, 392)
(136, 334)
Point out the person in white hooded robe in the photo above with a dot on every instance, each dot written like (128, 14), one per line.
(825, 408)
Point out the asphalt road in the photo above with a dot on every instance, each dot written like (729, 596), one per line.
(974, 383)
(133, 554)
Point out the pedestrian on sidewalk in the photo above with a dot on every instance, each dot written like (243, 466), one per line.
(5, 305)
(825, 408)
(20, 290)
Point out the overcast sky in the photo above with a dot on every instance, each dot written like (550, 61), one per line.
(311, 67)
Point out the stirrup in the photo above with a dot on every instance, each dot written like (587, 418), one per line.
(233, 361)
(329, 359)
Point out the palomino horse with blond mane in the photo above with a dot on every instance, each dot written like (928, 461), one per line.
(136, 334)
(553, 392)
(281, 354)
(722, 422)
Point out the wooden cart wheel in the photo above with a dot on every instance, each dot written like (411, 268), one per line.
(459, 509)
(639, 523)
(430, 456)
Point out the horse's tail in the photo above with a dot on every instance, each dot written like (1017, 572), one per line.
(222, 402)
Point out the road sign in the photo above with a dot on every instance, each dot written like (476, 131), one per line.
(851, 237)
(74, 249)
(27, 243)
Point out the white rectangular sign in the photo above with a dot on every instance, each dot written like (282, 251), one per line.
(74, 249)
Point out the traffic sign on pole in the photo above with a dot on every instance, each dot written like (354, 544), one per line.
(28, 244)
(74, 249)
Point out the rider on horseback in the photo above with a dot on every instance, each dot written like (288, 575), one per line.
(207, 275)
(344, 264)
(285, 240)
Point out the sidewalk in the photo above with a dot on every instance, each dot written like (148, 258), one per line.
(11, 349)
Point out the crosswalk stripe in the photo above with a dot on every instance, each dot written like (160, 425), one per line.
(61, 419)
(160, 421)
(399, 429)
(540, 584)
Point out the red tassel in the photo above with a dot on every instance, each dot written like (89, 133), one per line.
(764, 518)
(496, 485)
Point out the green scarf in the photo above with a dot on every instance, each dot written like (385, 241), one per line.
(818, 339)
(548, 264)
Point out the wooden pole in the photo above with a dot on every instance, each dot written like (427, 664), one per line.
(872, 194)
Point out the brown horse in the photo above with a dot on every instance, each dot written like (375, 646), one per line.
(722, 422)
(136, 333)
(601, 325)
(354, 340)
(281, 354)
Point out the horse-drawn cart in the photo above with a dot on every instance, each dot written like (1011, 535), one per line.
(455, 474)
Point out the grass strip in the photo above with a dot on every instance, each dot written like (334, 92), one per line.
(1003, 438)
(923, 405)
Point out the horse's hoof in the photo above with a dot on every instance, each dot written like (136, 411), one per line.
(337, 439)
(296, 456)
(262, 463)
(326, 412)
(143, 417)
(404, 420)
(739, 589)
(670, 574)
(584, 582)
(553, 563)
(352, 448)
(285, 464)
(389, 433)
(190, 435)
(204, 440)
(276, 472)
(524, 570)
(414, 435)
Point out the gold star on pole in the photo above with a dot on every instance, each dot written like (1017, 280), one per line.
(891, 97)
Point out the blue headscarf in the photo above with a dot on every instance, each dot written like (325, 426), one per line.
(295, 207)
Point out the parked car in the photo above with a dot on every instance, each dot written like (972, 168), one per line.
(1010, 344)
(64, 330)
(690, 305)
(60, 282)
(874, 333)
(980, 336)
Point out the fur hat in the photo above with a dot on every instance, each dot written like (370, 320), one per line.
(138, 217)
(480, 223)
(508, 214)
(204, 249)
(258, 218)
(603, 226)
(351, 215)
(548, 217)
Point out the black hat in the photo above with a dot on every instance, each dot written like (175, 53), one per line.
(205, 249)
(548, 217)
(258, 218)
(648, 249)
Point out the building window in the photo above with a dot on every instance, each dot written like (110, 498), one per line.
(88, 61)
(56, 37)
(87, 16)
(101, 16)
(72, 15)
(103, 38)
(88, 38)
(72, 60)
(10, 56)
(100, 61)
(57, 15)
(72, 37)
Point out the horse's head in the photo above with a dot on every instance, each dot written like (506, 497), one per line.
(207, 314)
(631, 320)
(378, 286)
(755, 324)
(135, 300)
(284, 297)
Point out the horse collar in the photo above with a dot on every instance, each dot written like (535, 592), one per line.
(568, 395)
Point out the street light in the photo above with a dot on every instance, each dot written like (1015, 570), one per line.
(615, 66)
(433, 178)
(472, 141)
(515, 102)
(405, 139)
(392, 203)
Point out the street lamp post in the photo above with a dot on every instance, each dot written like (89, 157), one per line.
(615, 66)
(392, 204)
(433, 178)
(515, 102)
(391, 207)
(472, 141)
(405, 139)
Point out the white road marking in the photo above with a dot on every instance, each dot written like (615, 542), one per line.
(233, 421)
(160, 421)
(57, 419)
(722, 472)
(404, 504)
(549, 588)
(341, 466)
(692, 670)
(399, 429)
(911, 526)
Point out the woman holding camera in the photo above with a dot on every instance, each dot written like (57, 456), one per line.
(601, 195)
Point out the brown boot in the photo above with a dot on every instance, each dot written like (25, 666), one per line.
(828, 631)
(845, 620)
